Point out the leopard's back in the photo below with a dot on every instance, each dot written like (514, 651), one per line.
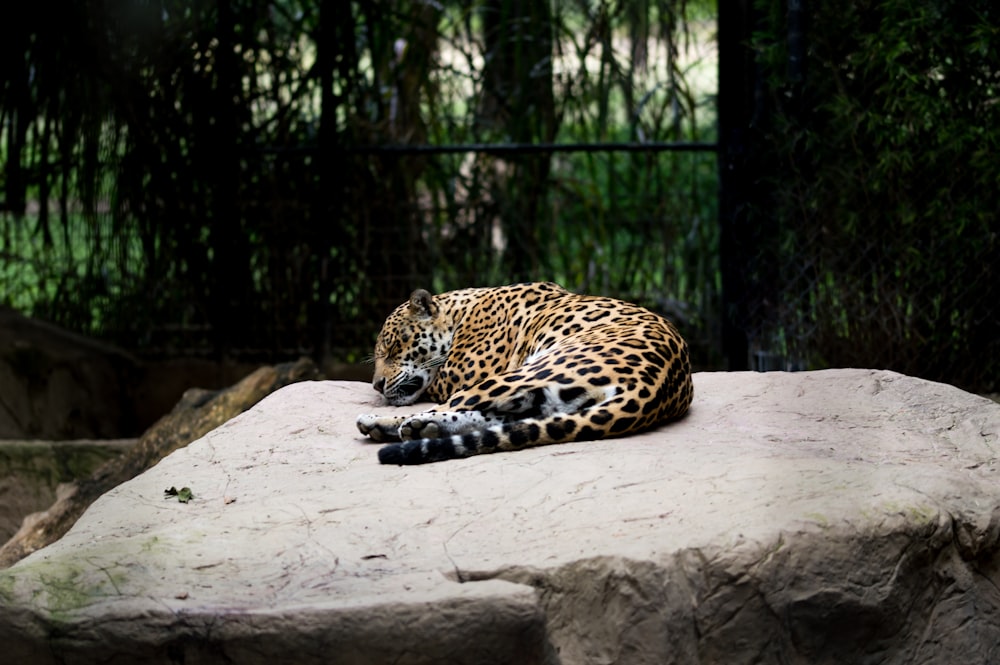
(526, 365)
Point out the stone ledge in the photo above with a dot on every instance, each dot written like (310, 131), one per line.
(835, 516)
(31, 472)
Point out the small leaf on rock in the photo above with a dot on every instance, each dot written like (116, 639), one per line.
(183, 494)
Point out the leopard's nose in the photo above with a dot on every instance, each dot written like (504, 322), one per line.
(379, 385)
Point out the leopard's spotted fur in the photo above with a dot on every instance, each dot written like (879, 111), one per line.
(523, 365)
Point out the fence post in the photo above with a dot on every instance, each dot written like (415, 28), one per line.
(736, 105)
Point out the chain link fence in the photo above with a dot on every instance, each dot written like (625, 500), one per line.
(865, 230)
(871, 229)
(635, 222)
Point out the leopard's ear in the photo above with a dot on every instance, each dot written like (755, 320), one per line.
(422, 304)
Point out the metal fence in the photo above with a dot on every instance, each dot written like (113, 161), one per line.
(633, 221)
(859, 192)
(755, 246)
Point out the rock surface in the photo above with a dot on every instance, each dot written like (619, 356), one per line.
(56, 385)
(821, 517)
(198, 412)
(31, 471)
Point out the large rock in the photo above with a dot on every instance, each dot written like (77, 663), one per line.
(57, 385)
(827, 517)
(198, 412)
(32, 471)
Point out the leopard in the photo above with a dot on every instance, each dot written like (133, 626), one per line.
(518, 366)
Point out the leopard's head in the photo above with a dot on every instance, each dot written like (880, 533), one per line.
(413, 344)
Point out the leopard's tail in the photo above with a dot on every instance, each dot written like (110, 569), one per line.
(516, 435)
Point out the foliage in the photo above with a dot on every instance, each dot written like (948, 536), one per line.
(184, 494)
(880, 222)
(186, 175)
(140, 125)
(521, 73)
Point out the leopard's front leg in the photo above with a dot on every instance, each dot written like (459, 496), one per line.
(426, 425)
(530, 400)
(435, 424)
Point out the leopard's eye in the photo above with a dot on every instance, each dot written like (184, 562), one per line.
(390, 349)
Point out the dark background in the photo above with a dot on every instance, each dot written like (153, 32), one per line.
(255, 181)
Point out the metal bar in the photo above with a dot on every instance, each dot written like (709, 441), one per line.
(507, 148)
(532, 148)
(736, 173)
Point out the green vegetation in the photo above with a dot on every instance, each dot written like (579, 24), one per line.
(189, 177)
(882, 177)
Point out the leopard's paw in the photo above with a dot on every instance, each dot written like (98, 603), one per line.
(379, 428)
(419, 427)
